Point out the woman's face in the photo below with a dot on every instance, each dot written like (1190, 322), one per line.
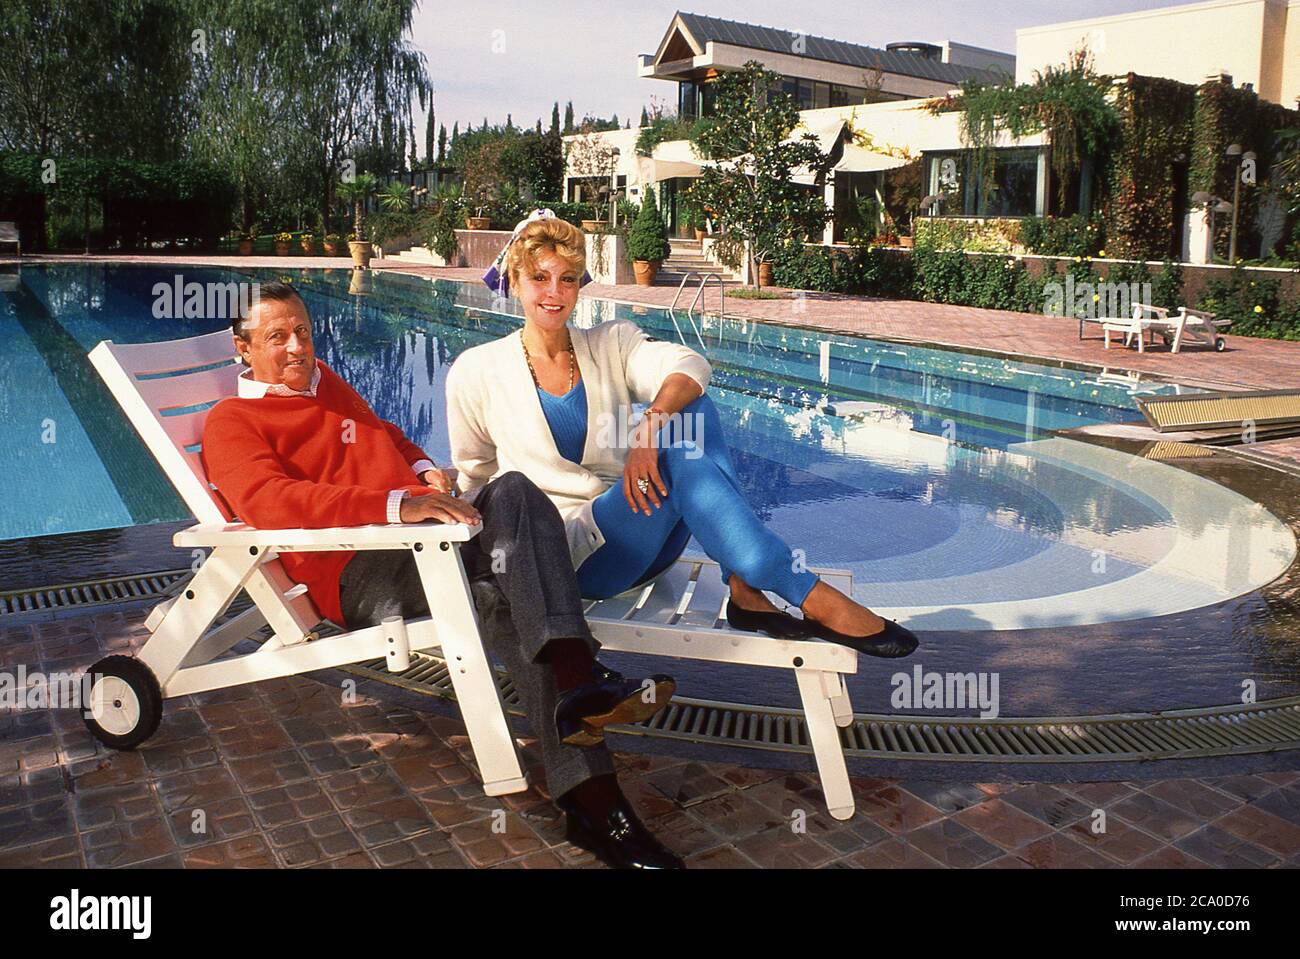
(549, 291)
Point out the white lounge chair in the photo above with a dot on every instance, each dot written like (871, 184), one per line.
(9, 235)
(1198, 326)
(1146, 319)
(165, 389)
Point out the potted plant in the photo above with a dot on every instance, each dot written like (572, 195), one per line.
(332, 241)
(308, 242)
(356, 192)
(647, 241)
(247, 237)
(692, 215)
(282, 241)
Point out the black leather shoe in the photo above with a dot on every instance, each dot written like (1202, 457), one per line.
(618, 839)
(582, 713)
(779, 625)
(891, 642)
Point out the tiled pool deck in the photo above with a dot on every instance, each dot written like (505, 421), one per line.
(288, 773)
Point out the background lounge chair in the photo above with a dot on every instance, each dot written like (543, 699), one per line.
(9, 234)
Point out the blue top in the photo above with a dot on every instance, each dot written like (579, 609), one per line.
(567, 417)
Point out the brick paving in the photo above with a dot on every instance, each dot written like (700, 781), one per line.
(289, 773)
(1247, 363)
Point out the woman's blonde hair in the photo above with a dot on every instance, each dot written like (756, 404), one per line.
(541, 237)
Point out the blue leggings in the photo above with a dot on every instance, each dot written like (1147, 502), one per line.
(704, 499)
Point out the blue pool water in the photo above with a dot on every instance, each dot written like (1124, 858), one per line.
(900, 463)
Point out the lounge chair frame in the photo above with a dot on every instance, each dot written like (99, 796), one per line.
(165, 389)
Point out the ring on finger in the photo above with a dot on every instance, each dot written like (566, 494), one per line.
(643, 485)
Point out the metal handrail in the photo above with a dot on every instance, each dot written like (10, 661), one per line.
(722, 294)
(704, 280)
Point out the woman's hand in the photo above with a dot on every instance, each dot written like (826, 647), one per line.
(441, 481)
(643, 464)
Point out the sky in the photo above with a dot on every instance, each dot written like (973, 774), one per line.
(490, 58)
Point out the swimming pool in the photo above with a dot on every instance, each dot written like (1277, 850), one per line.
(935, 476)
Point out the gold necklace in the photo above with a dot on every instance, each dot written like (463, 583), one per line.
(573, 363)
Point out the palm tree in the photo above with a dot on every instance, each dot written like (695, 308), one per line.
(356, 192)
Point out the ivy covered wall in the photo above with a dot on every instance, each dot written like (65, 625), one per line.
(1142, 204)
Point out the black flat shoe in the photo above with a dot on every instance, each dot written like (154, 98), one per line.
(618, 839)
(582, 713)
(891, 642)
(779, 625)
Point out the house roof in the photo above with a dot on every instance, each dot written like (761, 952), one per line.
(702, 29)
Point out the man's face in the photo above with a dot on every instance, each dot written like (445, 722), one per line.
(279, 348)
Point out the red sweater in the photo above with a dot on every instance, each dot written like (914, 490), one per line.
(288, 462)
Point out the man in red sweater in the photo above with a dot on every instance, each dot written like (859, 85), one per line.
(298, 447)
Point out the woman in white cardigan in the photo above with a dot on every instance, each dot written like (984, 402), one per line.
(554, 402)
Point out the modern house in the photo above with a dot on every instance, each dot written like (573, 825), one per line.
(869, 106)
(831, 80)
(1256, 42)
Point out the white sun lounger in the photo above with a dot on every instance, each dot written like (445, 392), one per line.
(1198, 326)
(165, 390)
(1146, 319)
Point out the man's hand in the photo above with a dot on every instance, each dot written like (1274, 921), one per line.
(443, 481)
(440, 507)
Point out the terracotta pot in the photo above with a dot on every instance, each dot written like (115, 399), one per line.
(765, 274)
(645, 271)
(281, 249)
(361, 252)
(592, 226)
(905, 242)
(331, 249)
(478, 223)
(359, 285)
(245, 247)
(308, 246)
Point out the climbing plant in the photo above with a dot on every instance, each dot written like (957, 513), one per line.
(1069, 103)
(1141, 205)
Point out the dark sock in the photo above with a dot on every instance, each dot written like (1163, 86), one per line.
(572, 662)
(597, 795)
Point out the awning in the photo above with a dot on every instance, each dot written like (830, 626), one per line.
(672, 158)
(858, 159)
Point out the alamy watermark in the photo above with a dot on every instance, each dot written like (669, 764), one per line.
(190, 301)
(620, 429)
(23, 690)
(921, 690)
(1094, 301)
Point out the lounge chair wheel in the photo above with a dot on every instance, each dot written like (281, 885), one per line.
(125, 702)
(1169, 340)
(1220, 344)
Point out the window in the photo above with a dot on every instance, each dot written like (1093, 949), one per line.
(821, 95)
(1011, 192)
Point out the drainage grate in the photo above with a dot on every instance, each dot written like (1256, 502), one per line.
(1181, 734)
(98, 592)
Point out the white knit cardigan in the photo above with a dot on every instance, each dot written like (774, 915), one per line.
(496, 424)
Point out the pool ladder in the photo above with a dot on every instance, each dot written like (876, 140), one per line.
(699, 293)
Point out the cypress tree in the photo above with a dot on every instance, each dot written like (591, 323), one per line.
(442, 142)
(555, 117)
(568, 118)
(645, 118)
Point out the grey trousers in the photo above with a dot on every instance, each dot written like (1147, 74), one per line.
(525, 593)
